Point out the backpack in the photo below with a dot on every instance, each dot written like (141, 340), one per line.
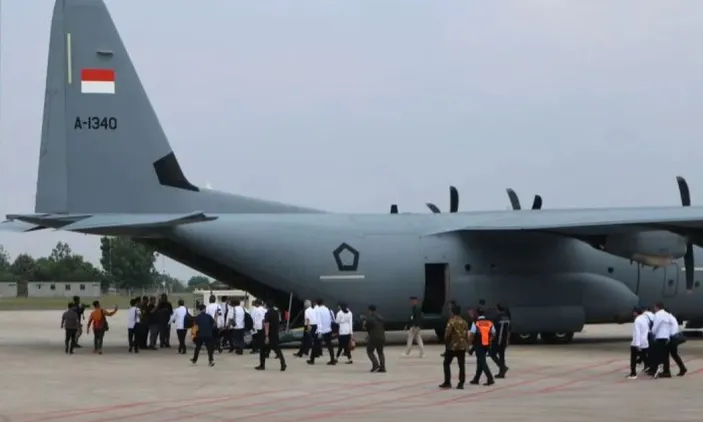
(334, 325)
(188, 321)
(248, 321)
(105, 326)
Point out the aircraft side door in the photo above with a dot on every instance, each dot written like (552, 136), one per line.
(671, 280)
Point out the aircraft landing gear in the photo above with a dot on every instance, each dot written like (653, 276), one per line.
(440, 334)
(557, 338)
(523, 338)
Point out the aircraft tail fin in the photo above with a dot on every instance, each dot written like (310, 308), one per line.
(102, 146)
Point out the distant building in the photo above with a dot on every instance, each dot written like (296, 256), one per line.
(8, 289)
(63, 289)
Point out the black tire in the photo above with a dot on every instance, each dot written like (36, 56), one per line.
(523, 338)
(557, 338)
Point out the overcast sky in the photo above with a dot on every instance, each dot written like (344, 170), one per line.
(350, 106)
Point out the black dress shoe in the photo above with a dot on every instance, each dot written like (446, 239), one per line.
(445, 386)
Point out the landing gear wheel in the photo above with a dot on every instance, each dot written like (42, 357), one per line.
(557, 338)
(440, 334)
(523, 338)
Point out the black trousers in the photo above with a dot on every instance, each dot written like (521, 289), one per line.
(343, 342)
(70, 340)
(237, 340)
(308, 340)
(376, 348)
(98, 336)
(449, 356)
(181, 340)
(498, 355)
(481, 364)
(674, 353)
(132, 339)
(226, 336)
(256, 341)
(217, 339)
(636, 356)
(317, 346)
(265, 349)
(142, 335)
(209, 343)
(165, 335)
(661, 350)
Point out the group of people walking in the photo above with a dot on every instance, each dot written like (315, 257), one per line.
(656, 338)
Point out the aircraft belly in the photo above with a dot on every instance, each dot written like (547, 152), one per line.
(540, 299)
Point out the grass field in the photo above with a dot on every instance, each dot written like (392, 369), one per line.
(59, 303)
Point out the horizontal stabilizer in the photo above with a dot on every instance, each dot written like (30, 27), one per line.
(47, 220)
(19, 226)
(134, 224)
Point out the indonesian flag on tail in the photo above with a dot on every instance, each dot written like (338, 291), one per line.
(97, 81)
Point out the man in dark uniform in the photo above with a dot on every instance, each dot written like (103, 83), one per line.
(144, 323)
(164, 310)
(272, 321)
(481, 335)
(374, 326)
(457, 342)
(502, 323)
(79, 308)
(206, 327)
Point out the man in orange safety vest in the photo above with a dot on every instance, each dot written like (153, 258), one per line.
(481, 336)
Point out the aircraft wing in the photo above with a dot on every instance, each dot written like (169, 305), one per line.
(110, 224)
(685, 220)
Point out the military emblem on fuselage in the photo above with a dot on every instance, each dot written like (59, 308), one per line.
(346, 257)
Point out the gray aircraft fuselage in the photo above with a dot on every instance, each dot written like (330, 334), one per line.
(551, 283)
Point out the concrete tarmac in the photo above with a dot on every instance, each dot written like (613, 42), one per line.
(582, 381)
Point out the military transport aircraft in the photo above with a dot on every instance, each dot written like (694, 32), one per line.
(106, 168)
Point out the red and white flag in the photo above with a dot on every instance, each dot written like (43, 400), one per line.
(97, 81)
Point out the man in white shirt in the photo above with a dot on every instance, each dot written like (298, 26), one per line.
(661, 330)
(310, 330)
(674, 342)
(257, 315)
(133, 318)
(179, 320)
(224, 324)
(238, 327)
(215, 311)
(325, 320)
(640, 341)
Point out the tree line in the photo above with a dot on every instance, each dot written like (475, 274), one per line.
(124, 264)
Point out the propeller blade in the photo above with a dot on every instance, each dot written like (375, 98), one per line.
(453, 199)
(433, 208)
(683, 190)
(537, 203)
(394, 209)
(689, 266)
(514, 201)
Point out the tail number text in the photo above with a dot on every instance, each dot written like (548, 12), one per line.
(95, 123)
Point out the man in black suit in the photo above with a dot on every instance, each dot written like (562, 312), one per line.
(272, 321)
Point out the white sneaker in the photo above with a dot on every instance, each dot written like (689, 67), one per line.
(632, 377)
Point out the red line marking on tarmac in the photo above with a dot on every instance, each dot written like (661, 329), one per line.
(369, 407)
(238, 407)
(305, 406)
(61, 414)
